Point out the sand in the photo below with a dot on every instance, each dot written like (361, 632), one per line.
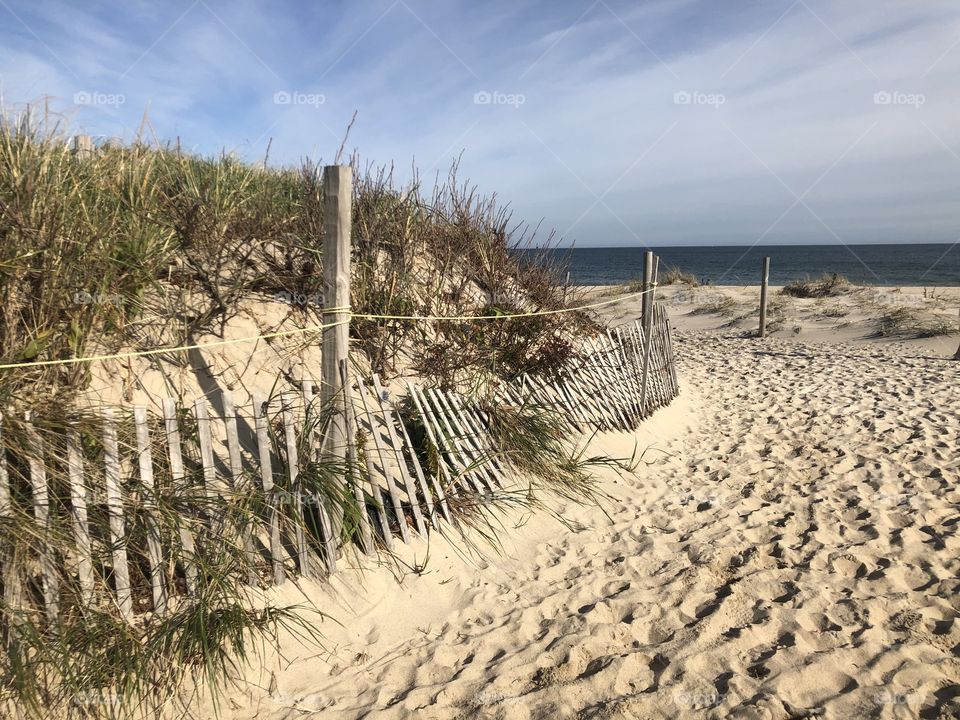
(787, 549)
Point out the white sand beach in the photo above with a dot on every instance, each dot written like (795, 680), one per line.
(787, 548)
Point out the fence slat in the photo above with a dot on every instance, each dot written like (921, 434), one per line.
(480, 433)
(353, 469)
(237, 482)
(41, 511)
(78, 512)
(408, 486)
(377, 494)
(450, 447)
(431, 436)
(12, 583)
(154, 549)
(441, 498)
(118, 539)
(293, 473)
(326, 525)
(418, 470)
(260, 419)
(188, 549)
(485, 459)
(391, 485)
(202, 414)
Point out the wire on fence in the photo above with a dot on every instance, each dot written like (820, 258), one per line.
(316, 328)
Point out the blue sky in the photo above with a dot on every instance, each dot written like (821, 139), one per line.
(616, 123)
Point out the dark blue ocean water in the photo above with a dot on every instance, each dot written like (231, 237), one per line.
(925, 265)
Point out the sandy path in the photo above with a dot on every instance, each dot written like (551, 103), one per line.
(794, 550)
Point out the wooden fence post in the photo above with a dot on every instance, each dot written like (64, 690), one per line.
(82, 146)
(647, 278)
(647, 337)
(764, 281)
(337, 214)
(118, 532)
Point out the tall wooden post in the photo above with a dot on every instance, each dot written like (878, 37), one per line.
(764, 281)
(82, 146)
(337, 214)
(648, 334)
(647, 281)
(956, 355)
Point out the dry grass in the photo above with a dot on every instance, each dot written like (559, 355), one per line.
(907, 322)
(825, 286)
(676, 276)
(718, 304)
(135, 243)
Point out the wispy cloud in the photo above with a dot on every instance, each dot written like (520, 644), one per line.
(553, 103)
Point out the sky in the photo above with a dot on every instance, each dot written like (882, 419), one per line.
(659, 122)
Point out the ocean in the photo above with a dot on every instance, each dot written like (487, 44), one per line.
(928, 265)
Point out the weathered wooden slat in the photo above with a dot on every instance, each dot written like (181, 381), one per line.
(582, 380)
(309, 419)
(478, 430)
(260, 420)
(387, 414)
(237, 485)
(473, 459)
(614, 392)
(407, 447)
(154, 548)
(41, 511)
(12, 582)
(78, 512)
(448, 435)
(202, 415)
(593, 375)
(388, 476)
(353, 465)
(626, 371)
(615, 371)
(432, 437)
(118, 538)
(188, 548)
(441, 498)
(377, 494)
(293, 473)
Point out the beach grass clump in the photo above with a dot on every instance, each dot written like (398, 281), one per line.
(716, 304)
(906, 322)
(827, 285)
(89, 659)
(676, 276)
(132, 246)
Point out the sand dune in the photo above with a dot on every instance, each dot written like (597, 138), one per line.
(789, 549)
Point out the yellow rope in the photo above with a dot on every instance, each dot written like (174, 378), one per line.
(316, 328)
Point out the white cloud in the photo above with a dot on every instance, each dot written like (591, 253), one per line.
(797, 82)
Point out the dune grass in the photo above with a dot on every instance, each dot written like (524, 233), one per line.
(143, 244)
(827, 285)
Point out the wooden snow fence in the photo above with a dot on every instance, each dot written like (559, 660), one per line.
(129, 509)
(618, 382)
